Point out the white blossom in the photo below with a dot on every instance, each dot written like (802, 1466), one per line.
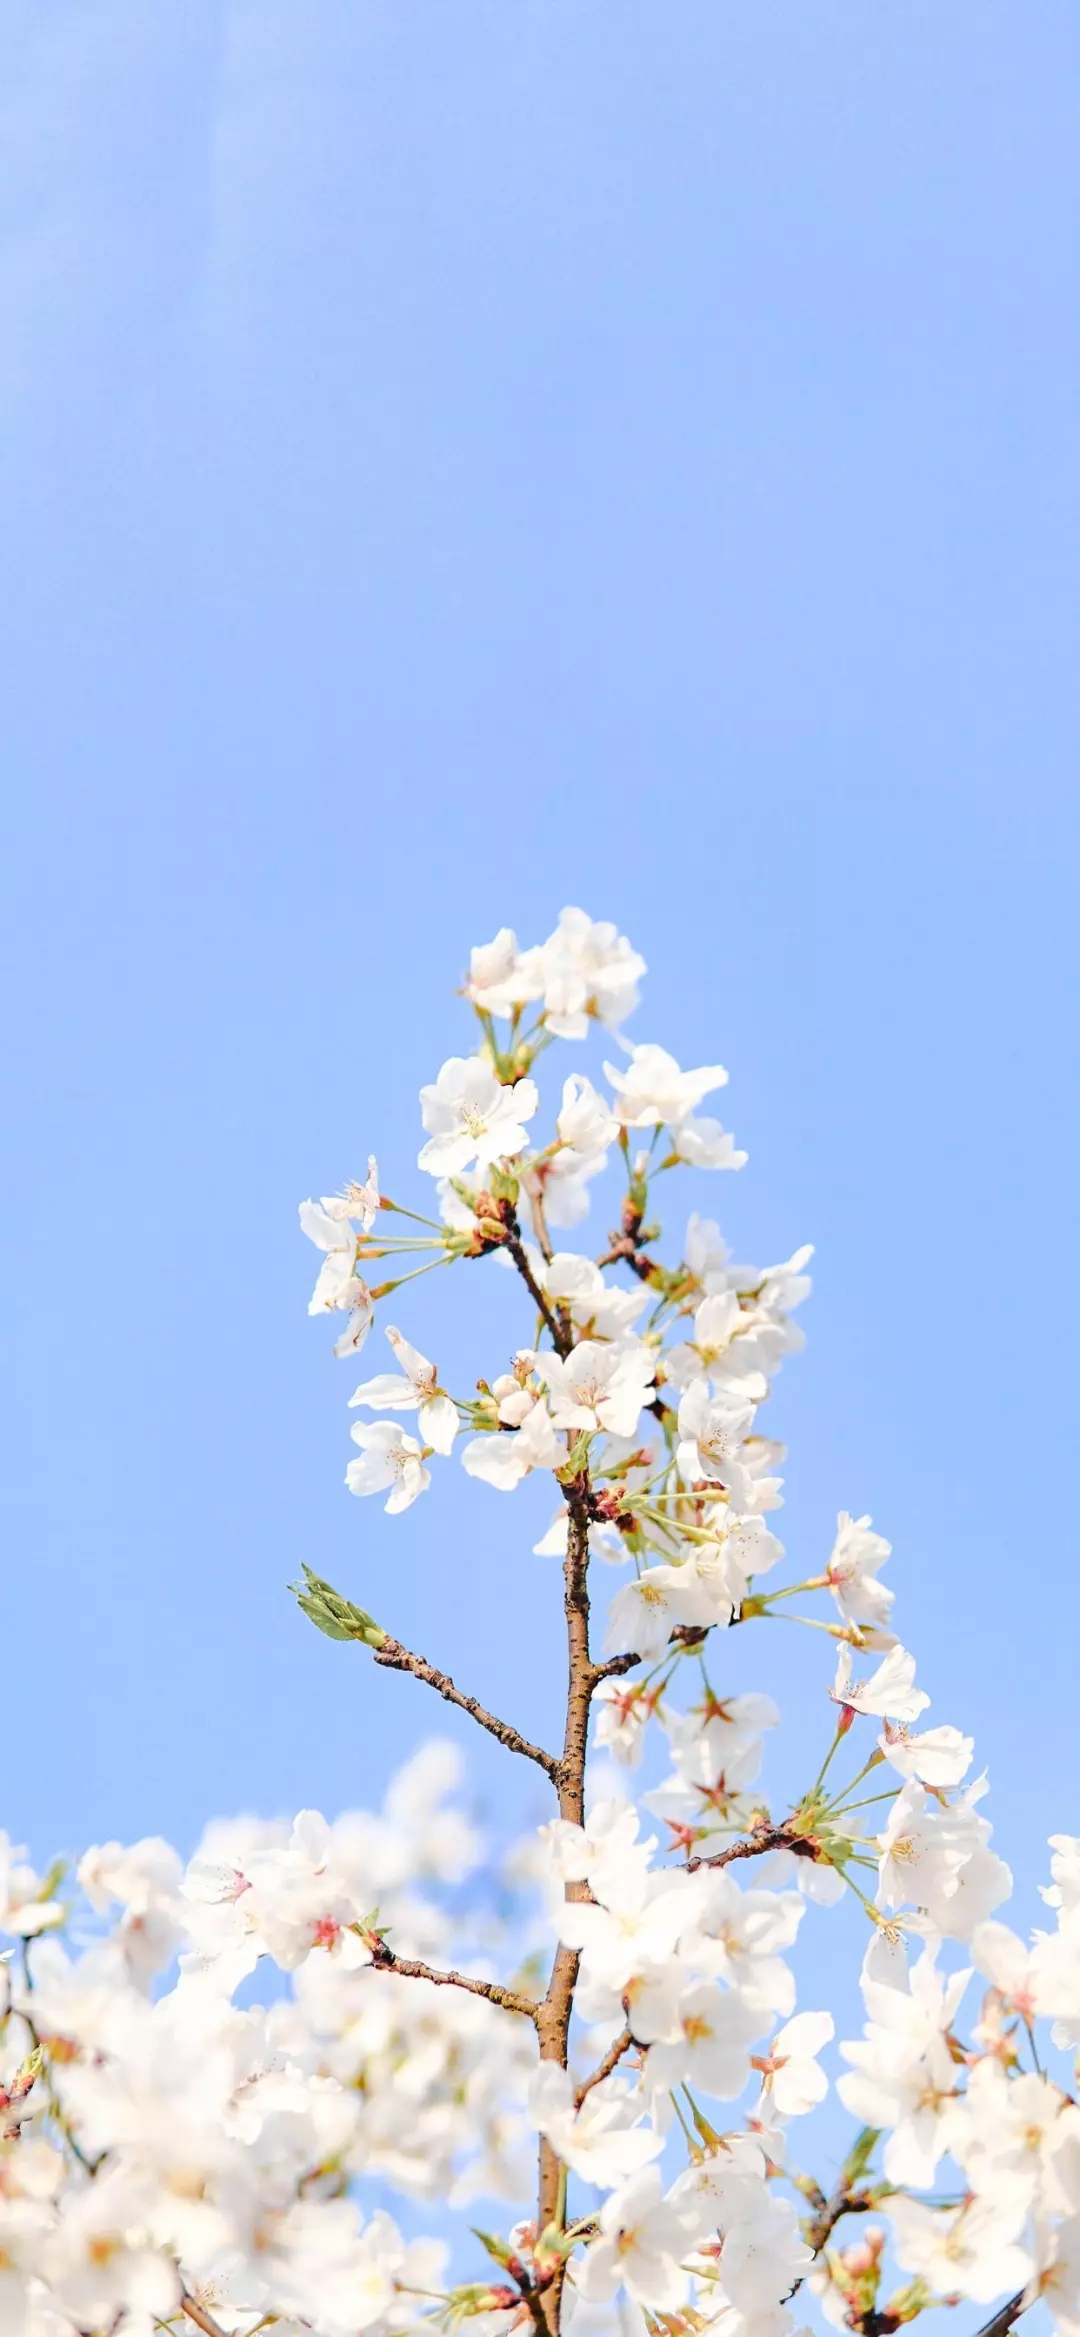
(600, 1386)
(603, 2141)
(387, 1457)
(503, 1461)
(471, 1118)
(890, 1691)
(414, 1389)
(587, 970)
(857, 1558)
(652, 1090)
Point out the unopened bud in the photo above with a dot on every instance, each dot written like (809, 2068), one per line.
(858, 2259)
(476, 2296)
(27, 2076)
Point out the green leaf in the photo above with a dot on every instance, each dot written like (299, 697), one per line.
(576, 1459)
(860, 2155)
(500, 2249)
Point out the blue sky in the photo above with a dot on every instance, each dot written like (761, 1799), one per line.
(458, 461)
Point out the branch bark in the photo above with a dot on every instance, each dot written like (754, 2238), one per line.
(407, 1968)
(1001, 2321)
(202, 2319)
(604, 2068)
(614, 1667)
(844, 2201)
(561, 1333)
(755, 1846)
(553, 2017)
(397, 1658)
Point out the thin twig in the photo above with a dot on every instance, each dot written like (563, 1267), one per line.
(202, 2319)
(615, 1665)
(844, 2201)
(691, 1635)
(1003, 2319)
(56, 2107)
(406, 1968)
(561, 1332)
(766, 1838)
(604, 2068)
(397, 1658)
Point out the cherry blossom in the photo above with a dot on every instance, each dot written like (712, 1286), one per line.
(335, 1237)
(653, 1090)
(599, 1386)
(603, 2141)
(585, 1124)
(640, 2244)
(712, 1431)
(587, 970)
(890, 1691)
(503, 1461)
(501, 976)
(793, 2079)
(857, 1558)
(414, 1389)
(388, 1457)
(471, 1117)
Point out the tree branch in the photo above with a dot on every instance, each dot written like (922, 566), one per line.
(561, 1332)
(613, 1668)
(755, 1846)
(397, 1658)
(844, 2201)
(198, 2313)
(406, 1968)
(553, 2016)
(684, 1635)
(1003, 2319)
(625, 1252)
(626, 1248)
(611, 2060)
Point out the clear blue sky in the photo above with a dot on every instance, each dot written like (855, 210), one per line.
(458, 460)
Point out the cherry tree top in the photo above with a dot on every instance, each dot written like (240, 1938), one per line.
(619, 2055)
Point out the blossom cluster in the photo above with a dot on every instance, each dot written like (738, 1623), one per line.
(621, 2055)
(168, 2154)
(639, 1397)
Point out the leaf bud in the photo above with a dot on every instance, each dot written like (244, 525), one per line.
(334, 1615)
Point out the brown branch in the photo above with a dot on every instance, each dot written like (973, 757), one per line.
(615, 1665)
(397, 1658)
(766, 1838)
(611, 2060)
(684, 1635)
(626, 1245)
(819, 2230)
(553, 2015)
(579, 1663)
(624, 1252)
(843, 2202)
(202, 2319)
(406, 1968)
(561, 1332)
(1003, 2319)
